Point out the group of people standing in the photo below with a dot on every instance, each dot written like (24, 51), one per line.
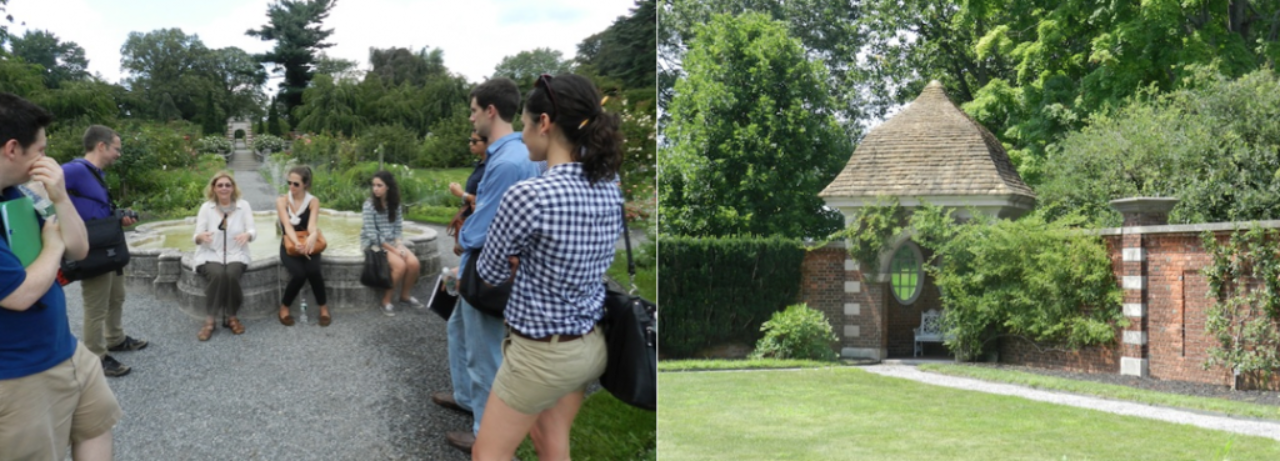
(542, 212)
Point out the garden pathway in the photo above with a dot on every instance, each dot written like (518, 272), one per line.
(1246, 426)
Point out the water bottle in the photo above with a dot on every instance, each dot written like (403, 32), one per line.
(39, 198)
(302, 311)
(450, 282)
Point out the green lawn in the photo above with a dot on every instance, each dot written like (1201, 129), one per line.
(646, 277)
(607, 429)
(1111, 391)
(750, 364)
(847, 413)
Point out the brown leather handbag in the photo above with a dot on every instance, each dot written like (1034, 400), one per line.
(292, 250)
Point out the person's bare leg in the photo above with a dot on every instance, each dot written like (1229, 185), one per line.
(550, 434)
(412, 268)
(397, 273)
(501, 431)
(96, 449)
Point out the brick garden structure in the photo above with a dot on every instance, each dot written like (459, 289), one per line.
(932, 151)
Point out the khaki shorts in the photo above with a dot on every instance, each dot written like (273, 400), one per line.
(535, 375)
(41, 415)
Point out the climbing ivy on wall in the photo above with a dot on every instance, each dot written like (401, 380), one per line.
(1244, 281)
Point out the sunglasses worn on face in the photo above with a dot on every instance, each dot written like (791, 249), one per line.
(295, 183)
(223, 186)
(474, 141)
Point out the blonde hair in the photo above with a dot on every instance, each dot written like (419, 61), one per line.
(235, 188)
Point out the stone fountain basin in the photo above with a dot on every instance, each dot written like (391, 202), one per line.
(162, 263)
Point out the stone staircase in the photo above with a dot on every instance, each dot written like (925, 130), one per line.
(243, 160)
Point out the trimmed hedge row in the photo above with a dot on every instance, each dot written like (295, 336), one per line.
(714, 291)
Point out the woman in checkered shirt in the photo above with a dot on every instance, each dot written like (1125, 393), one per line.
(555, 235)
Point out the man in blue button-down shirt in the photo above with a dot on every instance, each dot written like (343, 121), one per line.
(475, 339)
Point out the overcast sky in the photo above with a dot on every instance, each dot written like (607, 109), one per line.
(474, 34)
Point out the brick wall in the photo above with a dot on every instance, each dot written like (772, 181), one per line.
(1168, 333)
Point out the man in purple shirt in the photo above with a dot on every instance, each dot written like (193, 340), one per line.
(103, 294)
(52, 392)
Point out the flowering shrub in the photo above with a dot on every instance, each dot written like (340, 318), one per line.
(268, 143)
(213, 145)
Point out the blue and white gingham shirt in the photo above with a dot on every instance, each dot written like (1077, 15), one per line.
(564, 230)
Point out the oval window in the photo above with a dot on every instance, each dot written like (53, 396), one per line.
(906, 275)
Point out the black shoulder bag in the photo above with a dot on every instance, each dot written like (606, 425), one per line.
(489, 299)
(108, 249)
(630, 326)
(377, 271)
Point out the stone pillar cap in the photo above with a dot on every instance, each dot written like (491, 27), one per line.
(1144, 204)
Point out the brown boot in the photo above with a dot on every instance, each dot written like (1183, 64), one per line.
(445, 399)
(461, 440)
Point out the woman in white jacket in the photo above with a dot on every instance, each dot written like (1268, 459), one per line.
(224, 228)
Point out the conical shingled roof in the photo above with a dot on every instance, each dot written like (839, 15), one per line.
(930, 148)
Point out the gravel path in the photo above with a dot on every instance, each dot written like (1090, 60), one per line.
(1159, 385)
(356, 390)
(1246, 426)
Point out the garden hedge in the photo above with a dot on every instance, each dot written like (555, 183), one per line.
(714, 291)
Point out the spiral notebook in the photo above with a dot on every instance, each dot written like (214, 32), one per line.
(21, 230)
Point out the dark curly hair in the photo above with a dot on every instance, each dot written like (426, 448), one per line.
(392, 195)
(574, 105)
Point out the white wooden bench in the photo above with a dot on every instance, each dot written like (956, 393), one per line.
(929, 331)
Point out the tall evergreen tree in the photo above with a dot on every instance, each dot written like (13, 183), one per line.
(295, 27)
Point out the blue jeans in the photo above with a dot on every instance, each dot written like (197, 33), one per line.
(475, 353)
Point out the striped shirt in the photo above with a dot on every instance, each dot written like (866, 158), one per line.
(375, 221)
(564, 230)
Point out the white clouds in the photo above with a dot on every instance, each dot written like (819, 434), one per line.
(474, 34)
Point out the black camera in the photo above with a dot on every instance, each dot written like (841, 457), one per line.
(121, 214)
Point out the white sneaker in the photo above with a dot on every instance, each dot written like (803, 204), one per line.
(412, 302)
(389, 310)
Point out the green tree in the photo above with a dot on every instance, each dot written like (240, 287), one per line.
(273, 119)
(295, 27)
(753, 136)
(397, 66)
(62, 61)
(330, 107)
(338, 68)
(829, 31)
(177, 77)
(626, 50)
(1032, 71)
(1213, 145)
(526, 66)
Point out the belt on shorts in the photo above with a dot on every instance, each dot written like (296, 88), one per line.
(547, 339)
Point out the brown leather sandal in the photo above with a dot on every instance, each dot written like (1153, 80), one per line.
(205, 332)
(234, 325)
(286, 319)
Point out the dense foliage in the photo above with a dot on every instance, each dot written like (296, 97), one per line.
(715, 290)
(213, 145)
(799, 332)
(1244, 282)
(746, 154)
(1215, 146)
(1062, 293)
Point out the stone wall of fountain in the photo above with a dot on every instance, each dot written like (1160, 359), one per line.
(169, 272)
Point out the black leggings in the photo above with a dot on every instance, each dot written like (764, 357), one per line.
(302, 270)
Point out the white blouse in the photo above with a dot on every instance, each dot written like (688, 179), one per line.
(223, 248)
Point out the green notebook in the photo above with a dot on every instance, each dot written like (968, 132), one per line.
(21, 230)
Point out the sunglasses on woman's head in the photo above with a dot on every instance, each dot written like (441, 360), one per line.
(544, 80)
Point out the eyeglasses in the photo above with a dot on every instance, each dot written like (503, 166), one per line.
(545, 81)
(475, 141)
(225, 185)
(295, 184)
